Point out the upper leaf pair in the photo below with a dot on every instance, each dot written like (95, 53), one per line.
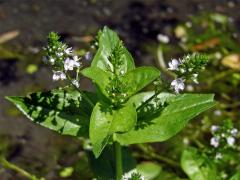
(114, 73)
(111, 63)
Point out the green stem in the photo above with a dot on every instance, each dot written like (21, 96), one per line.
(14, 167)
(81, 92)
(148, 151)
(118, 154)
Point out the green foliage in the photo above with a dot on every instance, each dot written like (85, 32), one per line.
(118, 112)
(112, 55)
(103, 167)
(137, 79)
(64, 111)
(235, 176)
(161, 124)
(105, 121)
(149, 170)
(198, 166)
(99, 77)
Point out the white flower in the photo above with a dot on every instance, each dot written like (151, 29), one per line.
(68, 51)
(52, 60)
(230, 140)
(214, 128)
(88, 56)
(58, 75)
(163, 38)
(129, 174)
(76, 63)
(173, 65)
(178, 84)
(217, 113)
(194, 78)
(234, 131)
(69, 64)
(218, 156)
(214, 141)
(122, 72)
(75, 83)
(189, 24)
(59, 54)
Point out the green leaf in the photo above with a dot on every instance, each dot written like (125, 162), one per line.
(235, 176)
(63, 111)
(149, 170)
(108, 40)
(105, 121)
(198, 166)
(169, 115)
(99, 77)
(138, 78)
(104, 167)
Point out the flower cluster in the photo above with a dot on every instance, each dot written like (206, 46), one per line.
(133, 175)
(220, 134)
(224, 137)
(62, 59)
(187, 68)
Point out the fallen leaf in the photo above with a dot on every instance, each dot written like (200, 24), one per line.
(232, 61)
(9, 36)
(207, 44)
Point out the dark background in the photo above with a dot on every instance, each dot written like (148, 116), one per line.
(137, 22)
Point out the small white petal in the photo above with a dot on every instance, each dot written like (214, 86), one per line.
(231, 141)
(217, 113)
(214, 142)
(63, 76)
(173, 65)
(178, 84)
(57, 75)
(214, 128)
(75, 58)
(163, 38)
(234, 131)
(75, 83)
(218, 156)
(68, 51)
(52, 60)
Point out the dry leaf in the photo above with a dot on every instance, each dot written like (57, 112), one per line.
(207, 44)
(8, 36)
(232, 61)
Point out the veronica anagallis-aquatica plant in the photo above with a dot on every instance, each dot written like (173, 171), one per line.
(119, 113)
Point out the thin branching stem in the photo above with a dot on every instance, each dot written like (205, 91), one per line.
(6, 164)
(156, 156)
(81, 92)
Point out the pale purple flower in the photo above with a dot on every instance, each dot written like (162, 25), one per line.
(68, 51)
(214, 128)
(178, 84)
(214, 141)
(173, 65)
(234, 131)
(230, 140)
(69, 64)
(75, 83)
(58, 75)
